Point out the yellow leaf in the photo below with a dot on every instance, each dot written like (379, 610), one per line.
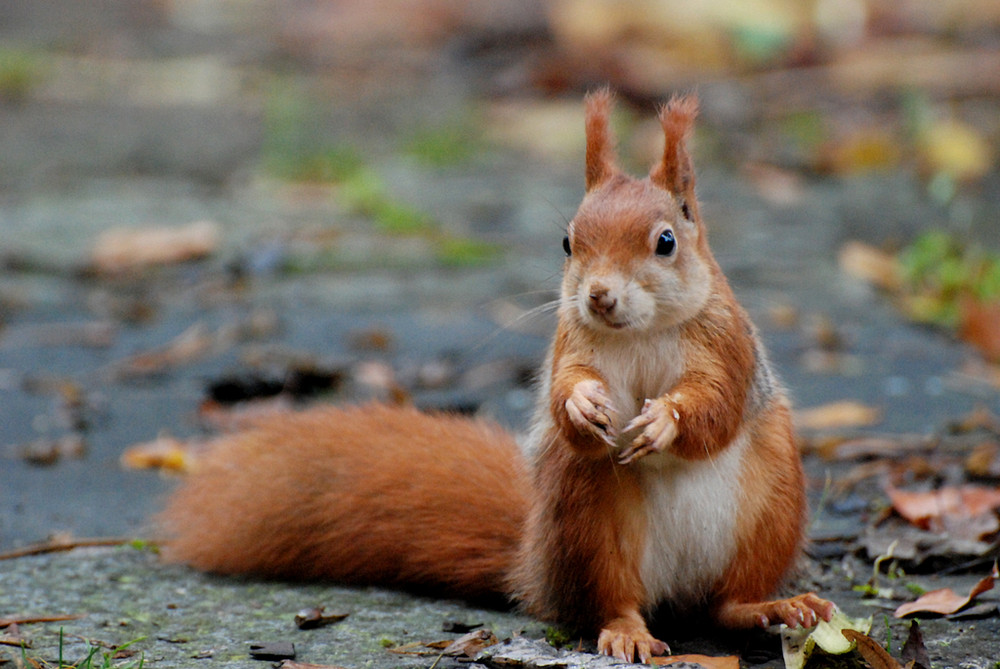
(846, 413)
(957, 149)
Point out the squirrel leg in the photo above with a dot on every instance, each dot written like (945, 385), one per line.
(626, 638)
(805, 610)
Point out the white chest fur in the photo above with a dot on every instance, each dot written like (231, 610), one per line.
(637, 369)
(691, 524)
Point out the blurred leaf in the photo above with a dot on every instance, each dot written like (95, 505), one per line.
(956, 149)
(979, 324)
(865, 262)
(122, 249)
(842, 414)
(165, 453)
(863, 150)
(962, 510)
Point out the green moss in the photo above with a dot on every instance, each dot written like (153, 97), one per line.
(464, 252)
(939, 271)
(557, 637)
(20, 72)
(450, 143)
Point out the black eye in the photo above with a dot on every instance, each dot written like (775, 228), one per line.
(566, 247)
(666, 244)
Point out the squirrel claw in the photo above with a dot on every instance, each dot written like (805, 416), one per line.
(630, 645)
(590, 412)
(658, 421)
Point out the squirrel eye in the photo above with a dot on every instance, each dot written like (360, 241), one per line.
(666, 244)
(566, 247)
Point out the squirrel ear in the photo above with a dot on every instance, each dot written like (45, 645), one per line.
(600, 142)
(675, 173)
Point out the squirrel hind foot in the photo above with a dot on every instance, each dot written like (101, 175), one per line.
(627, 639)
(800, 611)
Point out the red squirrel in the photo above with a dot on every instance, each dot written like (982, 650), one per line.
(660, 466)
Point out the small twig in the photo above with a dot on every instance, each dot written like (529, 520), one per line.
(61, 545)
(27, 620)
(15, 642)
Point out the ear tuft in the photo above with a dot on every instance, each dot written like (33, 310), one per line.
(601, 164)
(675, 172)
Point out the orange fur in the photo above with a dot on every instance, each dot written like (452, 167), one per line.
(371, 494)
(663, 467)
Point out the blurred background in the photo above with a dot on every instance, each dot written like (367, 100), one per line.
(209, 201)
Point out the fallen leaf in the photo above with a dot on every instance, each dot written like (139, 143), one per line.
(313, 618)
(862, 448)
(950, 508)
(874, 654)
(872, 265)
(164, 452)
(193, 343)
(979, 325)
(120, 249)
(946, 601)
(862, 150)
(842, 414)
(980, 418)
(984, 460)
(955, 148)
(780, 187)
(914, 650)
(47, 452)
(798, 644)
(708, 662)
(470, 644)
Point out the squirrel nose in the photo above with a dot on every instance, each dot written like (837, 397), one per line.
(600, 299)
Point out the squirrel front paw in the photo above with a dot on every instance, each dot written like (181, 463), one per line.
(590, 411)
(658, 422)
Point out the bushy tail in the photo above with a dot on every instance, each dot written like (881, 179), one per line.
(369, 494)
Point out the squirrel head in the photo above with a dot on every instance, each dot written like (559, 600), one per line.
(637, 253)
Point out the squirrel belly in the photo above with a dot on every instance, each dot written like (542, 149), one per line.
(371, 494)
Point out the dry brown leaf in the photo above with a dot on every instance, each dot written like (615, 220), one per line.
(470, 644)
(984, 460)
(946, 601)
(842, 414)
(980, 326)
(188, 346)
(120, 249)
(872, 265)
(726, 662)
(945, 507)
(874, 654)
(313, 618)
(873, 447)
(862, 150)
(164, 452)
